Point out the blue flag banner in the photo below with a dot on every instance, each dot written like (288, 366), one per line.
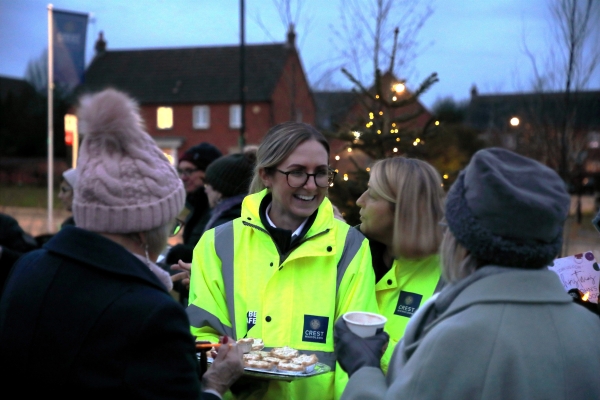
(69, 34)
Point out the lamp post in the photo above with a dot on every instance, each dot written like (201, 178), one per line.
(242, 139)
(514, 123)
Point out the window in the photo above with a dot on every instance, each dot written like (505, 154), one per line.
(201, 115)
(235, 116)
(298, 115)
(164, 118)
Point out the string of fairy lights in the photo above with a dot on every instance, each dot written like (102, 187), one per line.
(398, 88)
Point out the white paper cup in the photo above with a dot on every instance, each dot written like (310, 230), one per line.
(364, 324)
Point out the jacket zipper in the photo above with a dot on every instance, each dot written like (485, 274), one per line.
(284, 256)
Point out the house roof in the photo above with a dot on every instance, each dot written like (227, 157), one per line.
(184, 75)
(495, 111)
(333, 107)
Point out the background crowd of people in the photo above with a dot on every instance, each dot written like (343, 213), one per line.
(472, 311)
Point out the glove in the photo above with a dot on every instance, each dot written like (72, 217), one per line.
(354, 352)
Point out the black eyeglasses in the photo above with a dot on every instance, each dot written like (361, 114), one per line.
(298, 178)
(176, 228)
(187, 172)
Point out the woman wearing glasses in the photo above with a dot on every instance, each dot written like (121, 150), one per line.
(286, 269)
(192, 169)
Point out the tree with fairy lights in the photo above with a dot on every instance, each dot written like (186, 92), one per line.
(386, 120)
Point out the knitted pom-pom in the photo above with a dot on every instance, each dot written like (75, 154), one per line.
(126, 183)
(110, 113)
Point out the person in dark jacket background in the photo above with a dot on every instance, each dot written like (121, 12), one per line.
(90, 314)
(226, 184)
(14, 242)
(192, 170)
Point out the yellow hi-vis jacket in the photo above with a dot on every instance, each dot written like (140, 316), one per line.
(401, 291)
(242, 286)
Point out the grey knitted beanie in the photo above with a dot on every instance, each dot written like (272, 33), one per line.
(508, 210)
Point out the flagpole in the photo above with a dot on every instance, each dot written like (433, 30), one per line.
(50, 121)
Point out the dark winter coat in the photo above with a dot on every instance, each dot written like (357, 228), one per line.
(85, 318)
(15, 242)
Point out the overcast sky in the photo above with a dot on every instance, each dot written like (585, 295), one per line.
(465, 41)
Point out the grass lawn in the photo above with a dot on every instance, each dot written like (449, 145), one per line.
(27, 196)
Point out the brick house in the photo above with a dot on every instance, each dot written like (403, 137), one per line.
(191, 95)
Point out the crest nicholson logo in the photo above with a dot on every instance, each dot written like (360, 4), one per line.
(408, 303)
(315, 328)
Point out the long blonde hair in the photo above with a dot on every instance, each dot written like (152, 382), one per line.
(457, 262)
(414, 188)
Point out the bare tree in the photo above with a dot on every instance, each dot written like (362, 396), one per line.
(292, 13)
(386, 118)
(571, 59)
(365, 39)
(36, 72)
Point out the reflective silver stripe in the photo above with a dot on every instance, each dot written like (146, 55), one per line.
(224, 249)
(325, 357)
(199, 317)
(354, 239)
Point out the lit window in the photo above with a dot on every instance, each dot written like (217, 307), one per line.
(201, 116)
(164, 118)
(235, 116)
